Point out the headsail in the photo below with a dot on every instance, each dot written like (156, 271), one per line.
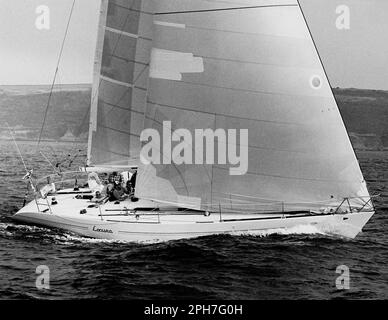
(241, 64)
(120, 82)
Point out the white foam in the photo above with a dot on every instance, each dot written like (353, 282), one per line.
(72, 239)
(4, 226)
(301, 229)
(344, 230)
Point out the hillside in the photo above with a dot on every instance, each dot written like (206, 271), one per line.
(23, 108)
(365, 113)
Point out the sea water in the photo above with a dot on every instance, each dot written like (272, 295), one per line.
(298, 264)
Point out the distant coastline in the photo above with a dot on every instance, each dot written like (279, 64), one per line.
(43, 88)
(364, 111)
(23, 108)
(80, 141)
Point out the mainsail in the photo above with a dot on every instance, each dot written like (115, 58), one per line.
(244, 64)
(120, 82)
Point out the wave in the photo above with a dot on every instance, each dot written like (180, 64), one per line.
(296, 230)
(67, 238)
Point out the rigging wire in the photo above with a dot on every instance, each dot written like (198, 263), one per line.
(50, 163)
(17, 147)
(56, 73)
(53, 152)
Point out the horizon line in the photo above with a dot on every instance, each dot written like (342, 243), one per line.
(91, 84)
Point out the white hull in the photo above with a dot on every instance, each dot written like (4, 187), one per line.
(122, 224)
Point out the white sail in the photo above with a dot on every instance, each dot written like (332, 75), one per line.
(240, 64)
(120, 82)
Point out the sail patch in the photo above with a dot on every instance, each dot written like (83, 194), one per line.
(170, 65)
(316, 82)
(169, 24)
(120, 83)
(122, 33)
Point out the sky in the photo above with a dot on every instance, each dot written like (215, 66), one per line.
(29, 55)
(355, 57)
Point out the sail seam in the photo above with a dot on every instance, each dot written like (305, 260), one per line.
(227, 9)
(132, 10)
(244, 33)
(121, 108)
(129, 60)
(290, 178)
(253, 91)
(224, 115)
(117, 130)
(255, 63)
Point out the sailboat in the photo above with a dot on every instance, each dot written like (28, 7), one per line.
(178, 68)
